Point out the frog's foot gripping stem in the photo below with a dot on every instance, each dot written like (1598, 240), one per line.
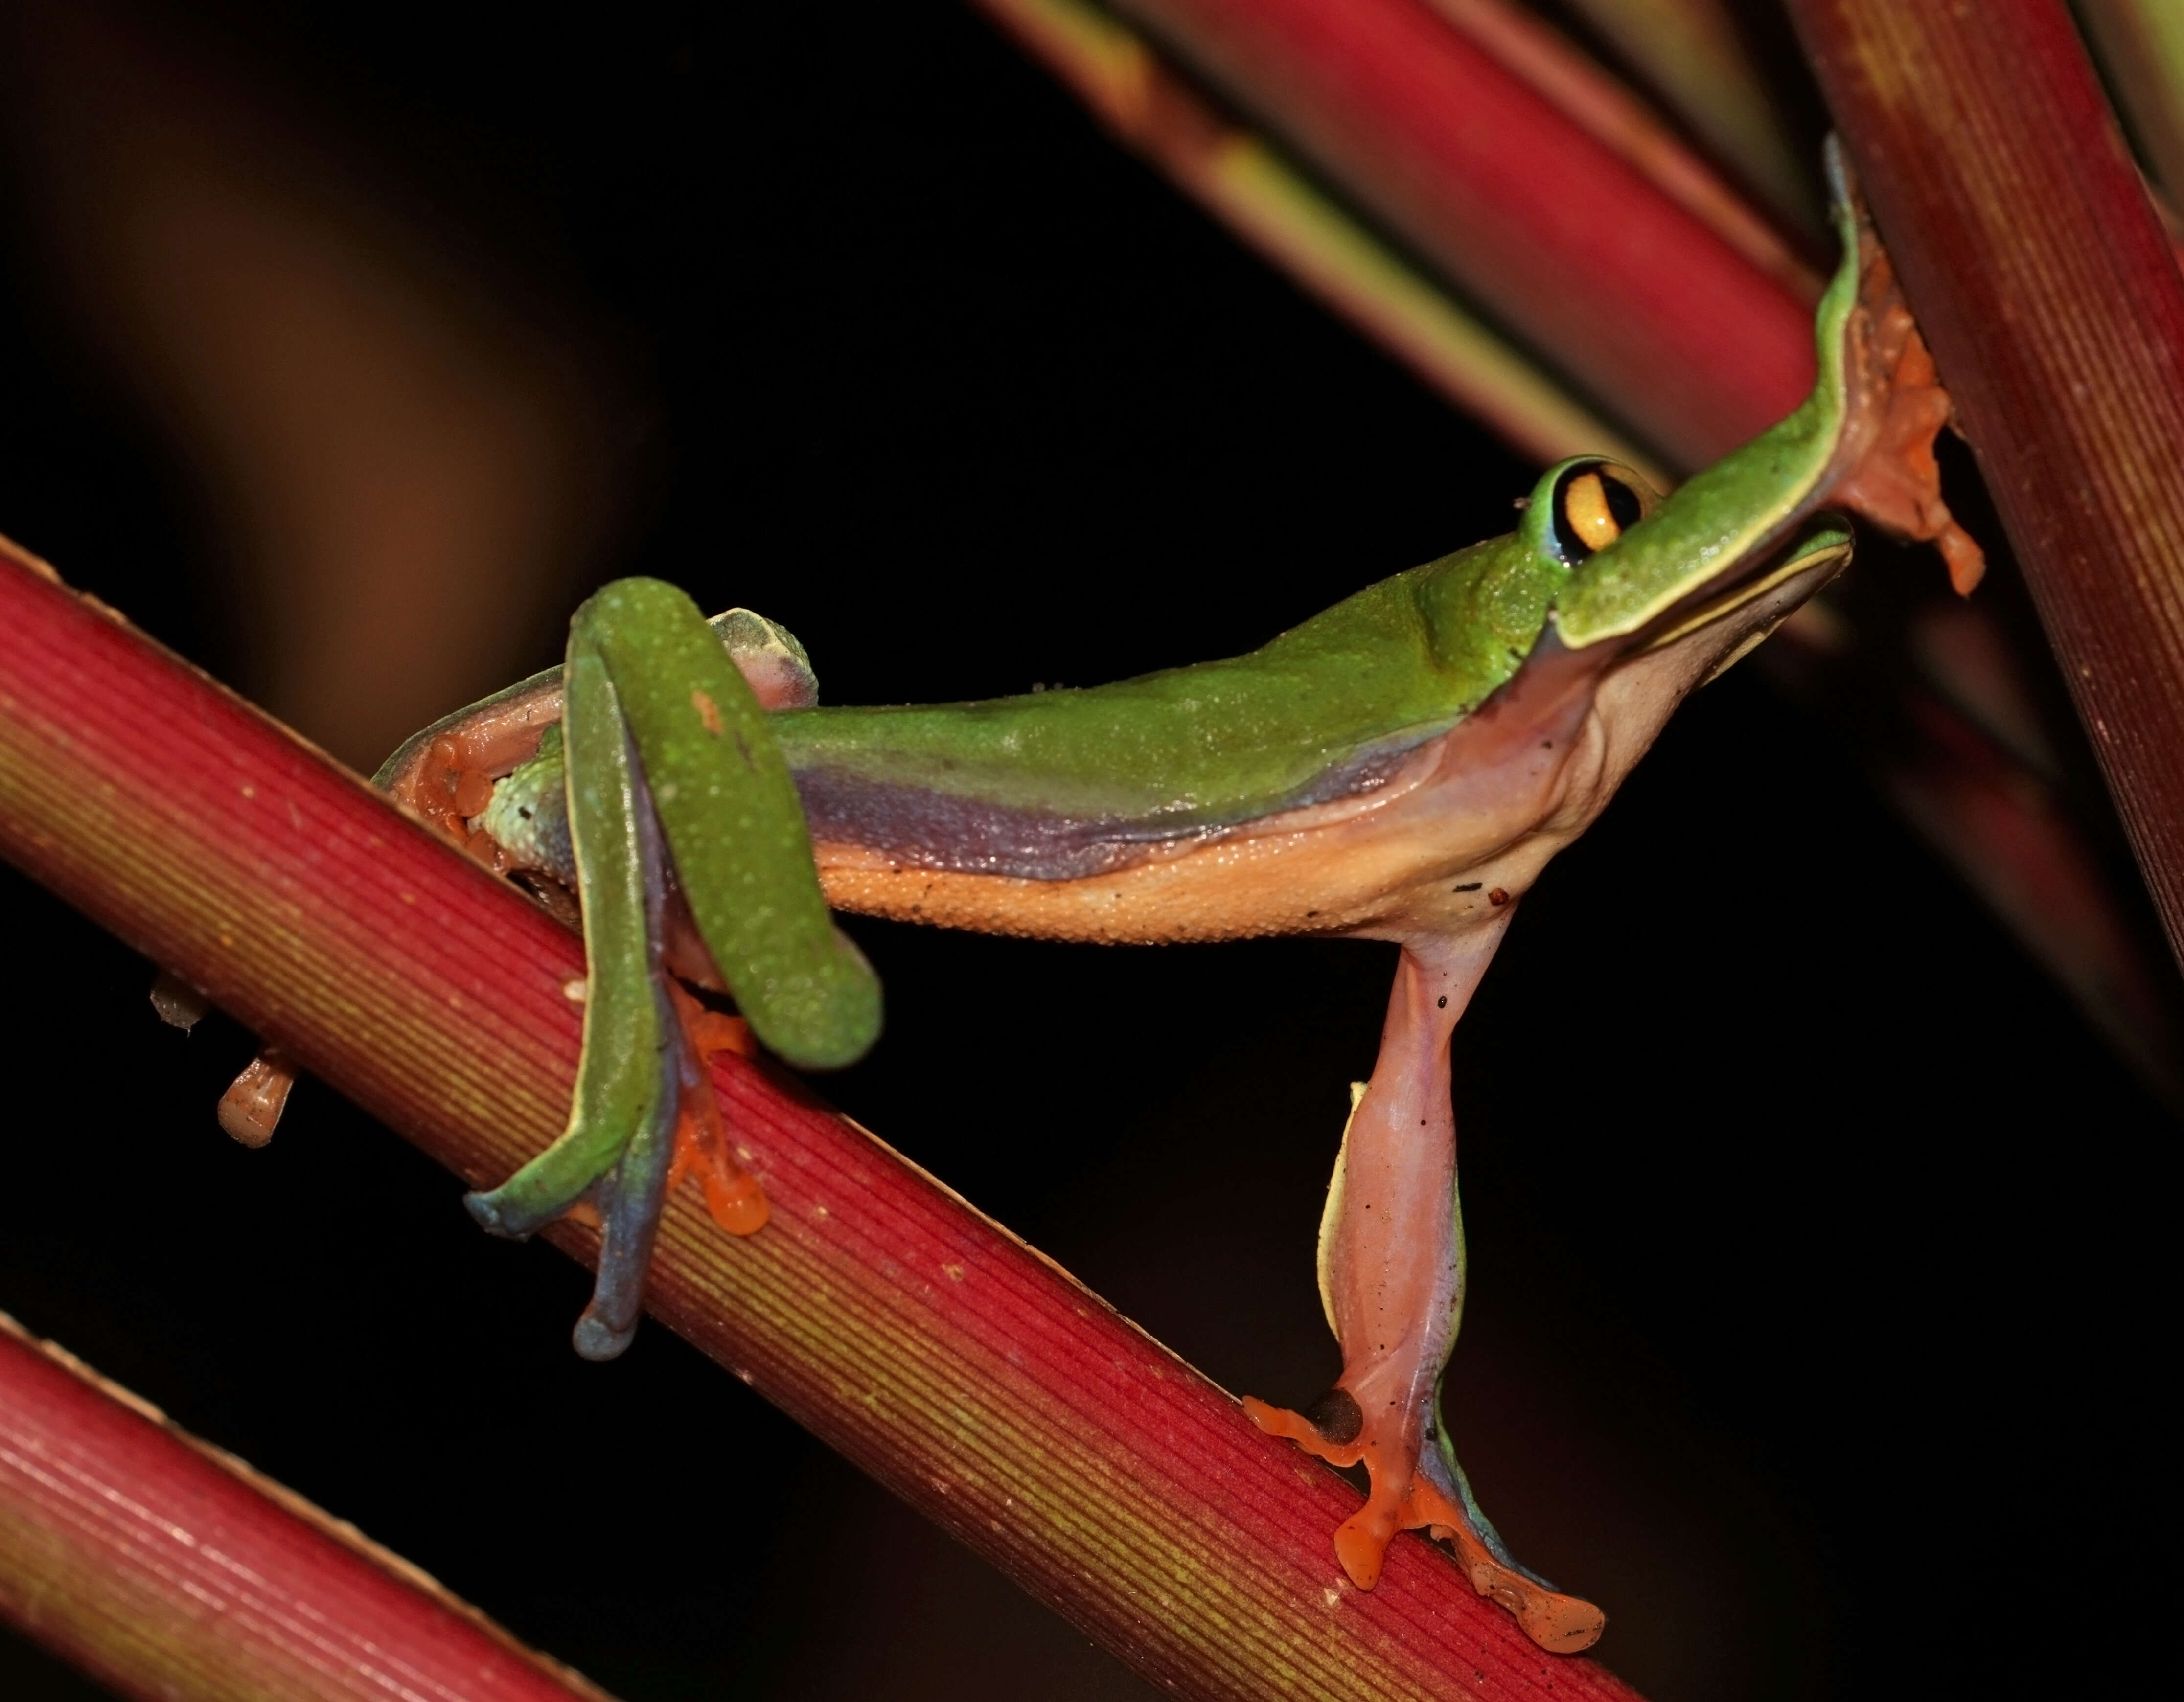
(622, 1196)
(679, 1133)
(1405, 1496)
(1897, 406)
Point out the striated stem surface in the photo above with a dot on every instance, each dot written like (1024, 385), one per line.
(168, 1569)
(973, 1377)
(2046, 289)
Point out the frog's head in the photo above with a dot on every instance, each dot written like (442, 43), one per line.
(1734, 548)
(1718, 562)
(1652, 596)
(1646, 570)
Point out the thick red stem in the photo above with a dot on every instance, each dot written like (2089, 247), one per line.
(167, 1568)
(979, 1382)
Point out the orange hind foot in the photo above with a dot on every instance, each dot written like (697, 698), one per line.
(1403, 1499)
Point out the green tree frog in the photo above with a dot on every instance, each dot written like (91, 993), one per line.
(1399, 767)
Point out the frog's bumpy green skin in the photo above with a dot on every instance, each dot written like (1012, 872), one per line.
(733, 827)
(667, 754)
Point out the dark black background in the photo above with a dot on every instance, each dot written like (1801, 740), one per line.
(1808, 1330)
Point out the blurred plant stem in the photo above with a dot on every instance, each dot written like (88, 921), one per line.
(1268, 201)
(1526, 208)
(2141, 46)
(1692, 54)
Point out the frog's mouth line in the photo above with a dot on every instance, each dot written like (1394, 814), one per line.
(1718, 606)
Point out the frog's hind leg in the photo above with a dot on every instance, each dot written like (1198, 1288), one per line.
(669, 763)
(733, 825)
(1391, 1277)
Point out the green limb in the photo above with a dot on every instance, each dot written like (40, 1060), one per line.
(627, 1076)
(665, 751)
(734, 827)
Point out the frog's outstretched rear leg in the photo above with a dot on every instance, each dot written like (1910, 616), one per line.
(1391, 1278)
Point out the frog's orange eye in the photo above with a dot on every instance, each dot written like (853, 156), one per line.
(1595, 502)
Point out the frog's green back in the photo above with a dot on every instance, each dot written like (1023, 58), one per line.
(1222, 741)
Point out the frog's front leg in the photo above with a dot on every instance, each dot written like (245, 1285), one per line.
(1391, 1277)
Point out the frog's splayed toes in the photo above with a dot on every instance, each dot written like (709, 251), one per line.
(1405, 1498)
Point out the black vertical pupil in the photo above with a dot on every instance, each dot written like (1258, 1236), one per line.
(1574, 550)
(1621, 501)
(1622, 506)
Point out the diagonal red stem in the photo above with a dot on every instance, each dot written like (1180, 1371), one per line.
(168, 1568)
(921, 1339)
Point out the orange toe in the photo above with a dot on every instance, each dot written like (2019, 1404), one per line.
(739, 1204)
(733, 1196)
(1560, 1624)
(1403, 1499)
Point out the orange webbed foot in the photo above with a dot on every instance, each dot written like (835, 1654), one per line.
(1403, 1498)
(732, 1194)
(1896, 481)
(452, 786)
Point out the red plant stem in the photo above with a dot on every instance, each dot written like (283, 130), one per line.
(1518, 203)
(167, 1568)
(2047, 289)
(922, 1340)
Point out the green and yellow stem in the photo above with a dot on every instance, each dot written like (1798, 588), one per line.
(1259, 191)
(1693, 55)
